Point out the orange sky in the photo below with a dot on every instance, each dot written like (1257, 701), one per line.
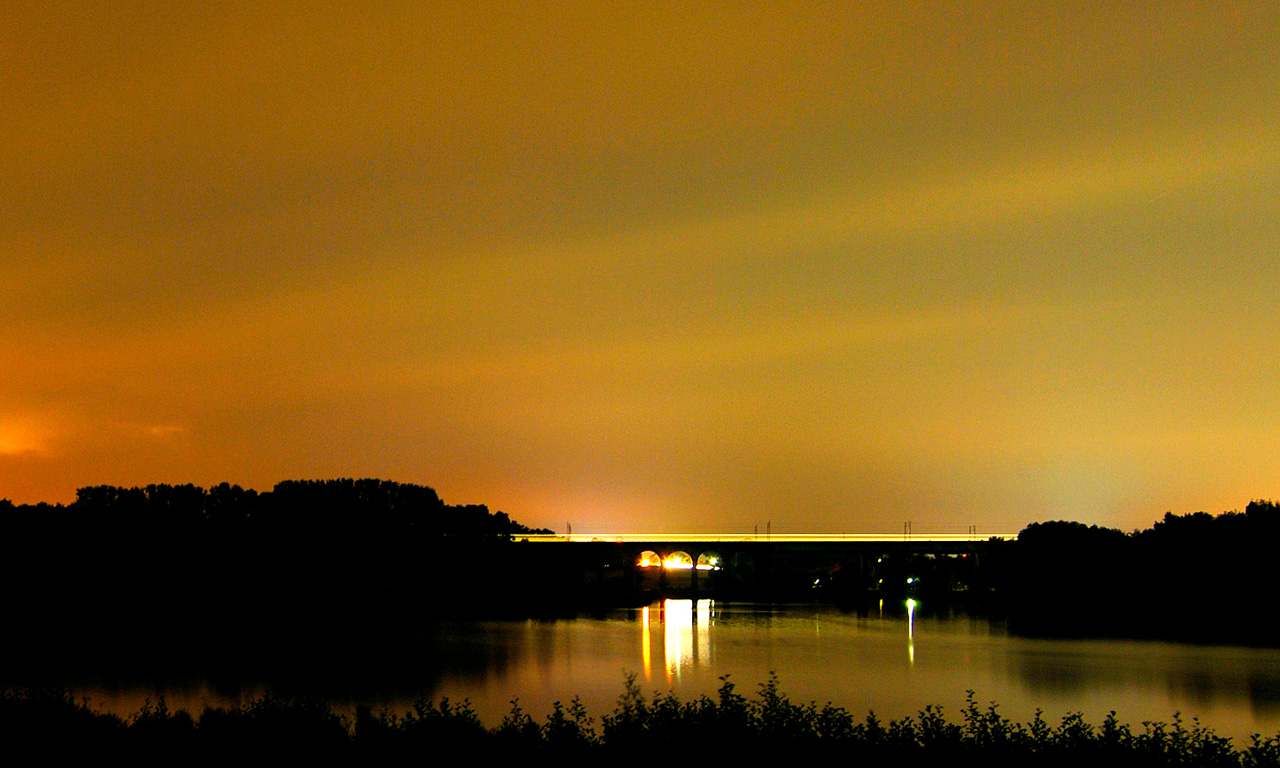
(679, 266)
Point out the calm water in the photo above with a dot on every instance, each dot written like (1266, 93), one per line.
(886, 661)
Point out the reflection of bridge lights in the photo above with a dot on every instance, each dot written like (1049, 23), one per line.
(911, 635)
(677, 619)
(645, 640)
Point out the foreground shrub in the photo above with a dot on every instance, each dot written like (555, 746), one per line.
(52, 723)
(729, 725)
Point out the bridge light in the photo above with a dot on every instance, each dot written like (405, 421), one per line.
(679, 561)
(709, 561)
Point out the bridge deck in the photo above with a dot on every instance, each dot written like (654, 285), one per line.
(804, 538)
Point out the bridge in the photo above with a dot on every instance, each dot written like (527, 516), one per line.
(972, 535)
(773, 565)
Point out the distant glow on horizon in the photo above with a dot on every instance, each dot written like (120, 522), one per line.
(20, 436)
(12, 443)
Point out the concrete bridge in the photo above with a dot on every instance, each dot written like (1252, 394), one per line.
(783, 565)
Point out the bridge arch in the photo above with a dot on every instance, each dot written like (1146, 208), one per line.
(710, 561)
(678, 561)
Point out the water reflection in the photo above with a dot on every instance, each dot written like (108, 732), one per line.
(677, 636)
(646, 644)
(685, 631)
(911, 631)
(854, 660)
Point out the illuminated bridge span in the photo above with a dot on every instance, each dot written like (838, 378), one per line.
(773, 565)
(780, 538)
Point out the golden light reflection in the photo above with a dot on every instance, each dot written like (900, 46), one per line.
(677, 617)
(911, 636)
(646, 653)
(686, 636)
(704, 609)
(702, 638)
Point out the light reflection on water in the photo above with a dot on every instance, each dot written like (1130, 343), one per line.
(892, 659)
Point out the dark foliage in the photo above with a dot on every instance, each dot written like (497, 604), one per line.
(731, 726)
(320, 558)
(1066, 578)
(307, 555)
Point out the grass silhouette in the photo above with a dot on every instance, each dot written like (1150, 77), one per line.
(728, 725)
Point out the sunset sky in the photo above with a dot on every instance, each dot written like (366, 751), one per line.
(649, 266)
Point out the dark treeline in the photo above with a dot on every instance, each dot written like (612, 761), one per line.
(306, 556)
(237, 568)
(343, 507)
(730, 726)
(1195, 577)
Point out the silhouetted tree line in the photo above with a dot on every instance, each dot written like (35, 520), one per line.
(294, 506)
(1196, 577)
(242, 569)
(737, 728)
(307, 555)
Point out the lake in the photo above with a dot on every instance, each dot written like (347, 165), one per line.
(888, 660)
